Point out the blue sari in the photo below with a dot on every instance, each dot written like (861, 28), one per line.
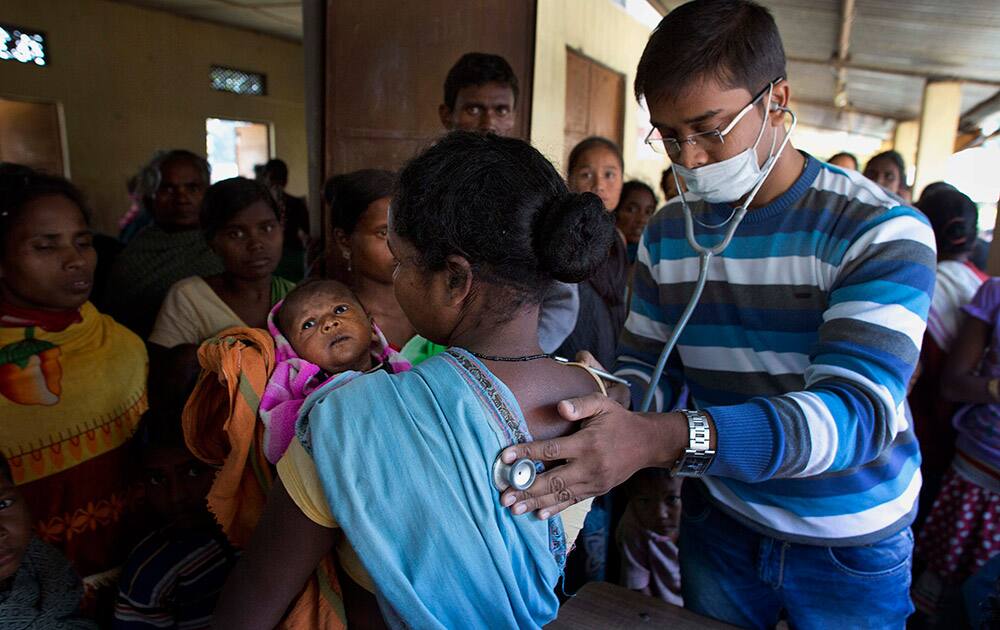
(406, 462)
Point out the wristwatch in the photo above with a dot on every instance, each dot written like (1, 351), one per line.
(698, 455)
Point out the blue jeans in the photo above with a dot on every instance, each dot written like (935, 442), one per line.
(736, 575)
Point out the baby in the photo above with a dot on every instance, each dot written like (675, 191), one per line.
(38, 587)
(648, 534)
(321, 334)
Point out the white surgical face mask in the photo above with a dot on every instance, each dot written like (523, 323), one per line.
(731, 179)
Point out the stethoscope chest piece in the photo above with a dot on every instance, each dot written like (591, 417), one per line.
(519, 475)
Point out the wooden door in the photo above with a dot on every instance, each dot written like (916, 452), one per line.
(385, 67)
(31, 134)
(595, 102)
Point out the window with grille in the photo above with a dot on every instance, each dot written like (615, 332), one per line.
(22, 45)
(238, 81)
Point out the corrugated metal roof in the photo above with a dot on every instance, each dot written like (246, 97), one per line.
(895, 47)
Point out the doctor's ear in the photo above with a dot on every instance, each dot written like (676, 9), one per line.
(780, 97)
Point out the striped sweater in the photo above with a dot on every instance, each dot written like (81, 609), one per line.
(801, 349)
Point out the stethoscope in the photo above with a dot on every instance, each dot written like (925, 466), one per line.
(521, 474)
(705, 256)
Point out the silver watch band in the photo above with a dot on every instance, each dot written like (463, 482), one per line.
(698, 456)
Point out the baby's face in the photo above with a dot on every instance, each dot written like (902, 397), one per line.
(329, 328)
(15, 528)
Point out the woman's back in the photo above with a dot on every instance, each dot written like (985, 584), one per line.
(418, 449)
(480, 228)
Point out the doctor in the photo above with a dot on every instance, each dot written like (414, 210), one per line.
(805, 469)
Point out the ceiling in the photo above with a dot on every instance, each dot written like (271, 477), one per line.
(894, 47)
(282, 18)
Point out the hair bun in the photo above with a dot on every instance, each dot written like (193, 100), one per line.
(572, 236)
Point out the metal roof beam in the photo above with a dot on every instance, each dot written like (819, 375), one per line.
(834, 63)
(848, 110)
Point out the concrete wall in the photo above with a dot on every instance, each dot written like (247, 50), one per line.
(603, 31)
(132, 80)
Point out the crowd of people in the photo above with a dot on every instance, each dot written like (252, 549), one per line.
(198, 428)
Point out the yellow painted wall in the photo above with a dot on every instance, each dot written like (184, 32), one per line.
(133, 80)
(604, 32)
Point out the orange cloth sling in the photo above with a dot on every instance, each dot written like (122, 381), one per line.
(221, 428)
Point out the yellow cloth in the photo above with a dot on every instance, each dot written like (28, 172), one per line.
(191, 313)
(298, 474)
(68, 397)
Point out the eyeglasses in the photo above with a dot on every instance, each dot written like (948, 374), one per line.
(708, 141)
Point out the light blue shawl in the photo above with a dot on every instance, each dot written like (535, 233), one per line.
(405, 461)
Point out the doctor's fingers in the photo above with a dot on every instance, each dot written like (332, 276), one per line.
(552, 492)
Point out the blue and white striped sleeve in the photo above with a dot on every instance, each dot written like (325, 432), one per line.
(853, 404)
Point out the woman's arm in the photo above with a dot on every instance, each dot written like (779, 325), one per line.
(285, 549)
(960, 381)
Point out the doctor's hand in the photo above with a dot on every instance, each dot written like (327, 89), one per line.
(610, 446)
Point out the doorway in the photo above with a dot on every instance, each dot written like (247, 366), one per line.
(235, 147)
(31, 134)
(595, 101)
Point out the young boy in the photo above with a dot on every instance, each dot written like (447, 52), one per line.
(648, 535)
(38, 588)
(173, 576)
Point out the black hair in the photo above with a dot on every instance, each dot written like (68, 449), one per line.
(5, 469)
(474, 69)
(20, 185)
(735, 42)
(631, 186)
(277, 171)
(223, 200)
(180, 155)
(896, 159)
(589, 143)
(155, 431)
(350, 194)
(502, 206)
(954, 218)
(647, 475)
(845, 154)
(934, 187)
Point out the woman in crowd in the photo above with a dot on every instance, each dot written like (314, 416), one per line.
(954, 218)
(72, 381)
(844, 160)
(636, 208)
(242, 223)
(888, 170)
(962, 531)
(480, 227)
(359, 203)
(596, 165)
